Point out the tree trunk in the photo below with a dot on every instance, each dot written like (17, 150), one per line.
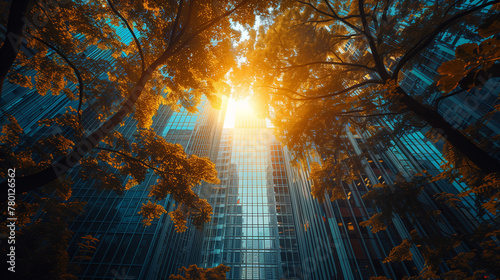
(13, 37)
(480, 158)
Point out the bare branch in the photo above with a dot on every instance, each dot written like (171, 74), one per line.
(327, 63)
(131, 32)
(326, 95)
(373, 48)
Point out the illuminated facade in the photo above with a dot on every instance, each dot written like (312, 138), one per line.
(127, 248)
(252, 229)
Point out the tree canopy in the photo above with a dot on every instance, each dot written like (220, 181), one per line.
(321, 63)
(117, 60)
(324, 71)
(177, 53)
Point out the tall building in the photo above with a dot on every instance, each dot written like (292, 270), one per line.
(464, 107)
(335, 246)
(307, 239)
(349, 251)
(252, 229)
(126, 247)
(266, 224)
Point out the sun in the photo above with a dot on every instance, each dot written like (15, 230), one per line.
(241, 106)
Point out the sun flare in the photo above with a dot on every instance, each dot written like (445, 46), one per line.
(242, 106)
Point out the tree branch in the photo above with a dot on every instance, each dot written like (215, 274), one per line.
(436, 102)
(77, 73)
(188, 20)
(207, 25)
(175, 24)
(143, 65)
(426, 40)
(129, 157)
(334, 15)
(386, 8)
(328, 63)
(63, 165)
(327, 95)
(373, 115)
(373, 48)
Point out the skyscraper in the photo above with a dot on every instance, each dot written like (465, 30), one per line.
(336, 245)
(126, 247)
(252, 229)
(266, 224)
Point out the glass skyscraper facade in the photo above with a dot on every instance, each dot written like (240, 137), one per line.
(126, 248)
(463, 107)
(335, 246)
(265, 223)
(252, 229)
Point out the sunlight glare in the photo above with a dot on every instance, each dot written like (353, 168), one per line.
(234, 106)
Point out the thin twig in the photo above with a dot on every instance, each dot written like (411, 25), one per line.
(77, 73)
(131, 32)
(327, 95)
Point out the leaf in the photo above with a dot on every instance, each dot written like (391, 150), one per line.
(151, 211)
(491, 30)
(465, 52)
(195, 272)
(179, 219)
(376, 222)
(400, 253)
(453, 67)
(451, 73)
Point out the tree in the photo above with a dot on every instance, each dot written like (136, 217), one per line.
(188, 53)
(41, 241)
(324, 63)
(194, 272)
(179, 52)
(326, 71)
(12, 43)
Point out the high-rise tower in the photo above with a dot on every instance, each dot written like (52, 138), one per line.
(252, 229)
(126, 247)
